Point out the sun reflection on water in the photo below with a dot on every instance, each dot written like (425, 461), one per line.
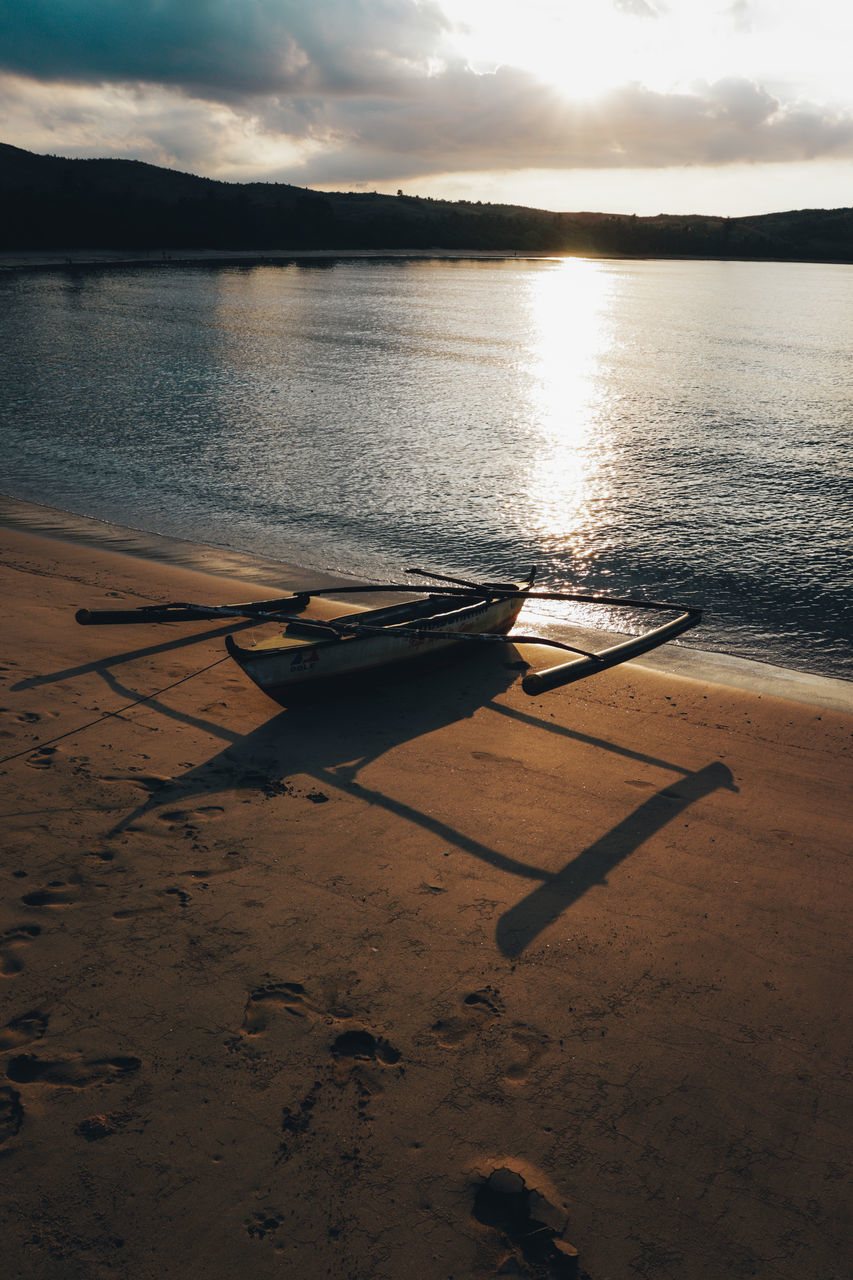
(564, 485)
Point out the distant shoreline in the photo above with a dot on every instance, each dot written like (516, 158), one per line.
(51, 259)
(144, 209)
(61, 259)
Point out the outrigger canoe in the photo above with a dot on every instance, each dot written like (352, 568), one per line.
(312, 658)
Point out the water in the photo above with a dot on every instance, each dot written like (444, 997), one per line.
(679, 429)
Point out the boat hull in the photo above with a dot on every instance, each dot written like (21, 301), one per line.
(299, 671)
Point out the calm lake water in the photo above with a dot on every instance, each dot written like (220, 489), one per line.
(680, 429)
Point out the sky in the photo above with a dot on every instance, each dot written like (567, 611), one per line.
(724, 107)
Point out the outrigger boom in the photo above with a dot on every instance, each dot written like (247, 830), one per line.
(316, 655)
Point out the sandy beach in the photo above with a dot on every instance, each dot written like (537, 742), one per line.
(440, 982)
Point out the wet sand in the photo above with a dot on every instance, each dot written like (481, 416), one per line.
(444, 981)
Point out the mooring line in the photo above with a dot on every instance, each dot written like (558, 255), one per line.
(108, 715)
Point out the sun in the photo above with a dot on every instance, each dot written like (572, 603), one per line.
(582, 50)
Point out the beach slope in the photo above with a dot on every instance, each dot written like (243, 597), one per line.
(443, 981)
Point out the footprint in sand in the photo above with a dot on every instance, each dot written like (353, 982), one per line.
(480, 1009)
(359, 1045)
(11, 1113)
(76, 1073)
(489, 758)
(527, 1046)
(41, 758)
(261, 1225)
(529, 1219)
(171, 897)
(519, 1045)
(12, 941)
(293, 998)
(49, 897)
(189, 817)
(131, 913)
(355, 1053)
(180, 895)
(95, 1128)
(207, 873)
(23, 1029)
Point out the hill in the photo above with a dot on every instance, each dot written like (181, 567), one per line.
(50, 202)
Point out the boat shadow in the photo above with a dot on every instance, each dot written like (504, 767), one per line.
(102, 666)
(333, 741)
(332, 745)
(589, 868)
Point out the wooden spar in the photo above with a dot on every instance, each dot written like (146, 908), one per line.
(343, 629)
(568, 672)
(181, 611)
(502, 587)
(121, 617)
(586, 664)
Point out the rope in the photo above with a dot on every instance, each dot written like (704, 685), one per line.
(39, 746)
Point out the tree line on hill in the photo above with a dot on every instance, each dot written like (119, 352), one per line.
(54, 203)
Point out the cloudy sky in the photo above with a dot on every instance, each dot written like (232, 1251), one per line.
(636, 106)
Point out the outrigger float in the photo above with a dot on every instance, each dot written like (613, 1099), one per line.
(316, 657)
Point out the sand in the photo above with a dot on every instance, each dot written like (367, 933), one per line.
(440, 982)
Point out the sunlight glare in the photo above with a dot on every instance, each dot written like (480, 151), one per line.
(585, 49)
(582, 50)
(570, 334)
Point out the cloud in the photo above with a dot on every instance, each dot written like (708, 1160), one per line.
(451, 121)
(225, 47)
(153, 124)
(637, 8)
(354, 92)
(739, 11)
(509, 120)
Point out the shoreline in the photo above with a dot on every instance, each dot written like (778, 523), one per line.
(675, 660)
(62, 259)
(57, 259)
(413, 976)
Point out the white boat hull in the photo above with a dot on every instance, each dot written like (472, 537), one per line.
(297, 669)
